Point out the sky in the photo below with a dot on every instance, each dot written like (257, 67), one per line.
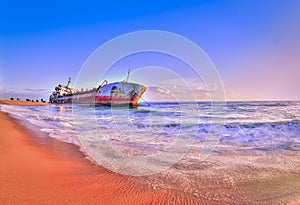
(254, 45)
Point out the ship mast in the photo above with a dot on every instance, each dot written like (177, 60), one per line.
(128, 75)
(69, 81)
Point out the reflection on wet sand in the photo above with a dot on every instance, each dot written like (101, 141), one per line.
(236, 178)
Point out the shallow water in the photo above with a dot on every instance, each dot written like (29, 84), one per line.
(251, 149)
(262, 126)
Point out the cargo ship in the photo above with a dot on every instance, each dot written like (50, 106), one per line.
(121, 93)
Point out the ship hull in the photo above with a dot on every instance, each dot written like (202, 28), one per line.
(117, 94)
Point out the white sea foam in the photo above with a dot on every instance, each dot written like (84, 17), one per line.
(262, 126)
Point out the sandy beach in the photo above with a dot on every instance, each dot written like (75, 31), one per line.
(37, 169)
(41, 170)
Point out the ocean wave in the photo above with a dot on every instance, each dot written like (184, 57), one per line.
(268, 125)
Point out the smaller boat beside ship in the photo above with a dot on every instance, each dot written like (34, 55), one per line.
(121, 93)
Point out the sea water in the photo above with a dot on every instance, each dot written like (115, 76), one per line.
(147, 129)
(251, 149)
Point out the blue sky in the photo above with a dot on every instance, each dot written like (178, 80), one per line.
(254, 45)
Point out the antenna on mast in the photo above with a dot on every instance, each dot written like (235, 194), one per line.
(69, 81)
(128, 75)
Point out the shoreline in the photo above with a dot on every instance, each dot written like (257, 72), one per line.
(22, 103)
(36, 168)
(44, 170)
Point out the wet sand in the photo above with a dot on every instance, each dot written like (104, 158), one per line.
(41, 170)
(36, 169)
(236, 178)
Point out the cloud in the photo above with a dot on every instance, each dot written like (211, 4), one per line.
(4, 91)
(155, 93)
(36, 90)
(25, 91)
